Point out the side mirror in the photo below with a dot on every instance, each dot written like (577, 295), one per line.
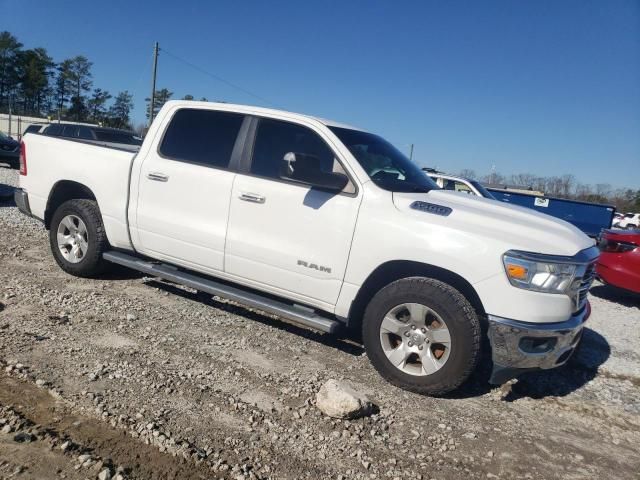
(304, 168)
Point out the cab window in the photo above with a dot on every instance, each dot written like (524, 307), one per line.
(274, 139)
(201, 136)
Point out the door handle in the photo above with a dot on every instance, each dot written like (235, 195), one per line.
(252, 197)
(158, 177)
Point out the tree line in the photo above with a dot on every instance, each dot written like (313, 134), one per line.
(563, 186)
(33, 84)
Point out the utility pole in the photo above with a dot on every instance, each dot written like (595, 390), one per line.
(411, 152)
(153, 83)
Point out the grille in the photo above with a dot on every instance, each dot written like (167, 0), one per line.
(584, 286)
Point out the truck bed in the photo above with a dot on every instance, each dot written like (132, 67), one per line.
(103, 169)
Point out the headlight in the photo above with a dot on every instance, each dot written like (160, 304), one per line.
(535, 272)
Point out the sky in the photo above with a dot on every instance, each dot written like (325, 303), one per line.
(548, 87)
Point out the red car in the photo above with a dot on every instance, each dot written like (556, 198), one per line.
(619, 262)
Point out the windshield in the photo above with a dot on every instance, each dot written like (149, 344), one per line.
(3, 136)
(387, 167)
(483, 191)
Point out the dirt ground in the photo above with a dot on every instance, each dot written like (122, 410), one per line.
(128, 377)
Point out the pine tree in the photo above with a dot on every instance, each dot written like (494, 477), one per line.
(96, 105)
(119, 112)
(9, 61)
(161, 97)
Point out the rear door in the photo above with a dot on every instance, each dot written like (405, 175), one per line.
(185, 186)
(283, 236)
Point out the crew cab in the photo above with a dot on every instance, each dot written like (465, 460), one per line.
(323, 224)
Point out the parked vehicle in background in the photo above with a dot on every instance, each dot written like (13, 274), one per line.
(619, 262)
(458, 184)
(35, 128)
(108, 137)
(591, 218)
(9, 150)
(325, 225)
(616, 219)
(629, 221)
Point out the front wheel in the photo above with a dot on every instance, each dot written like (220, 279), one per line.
(422, 335)
(77, 238)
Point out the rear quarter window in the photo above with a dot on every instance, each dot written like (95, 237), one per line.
(32, 129)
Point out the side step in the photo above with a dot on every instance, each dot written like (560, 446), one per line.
(300, 315)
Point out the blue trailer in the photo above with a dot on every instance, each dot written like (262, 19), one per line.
(591, 218)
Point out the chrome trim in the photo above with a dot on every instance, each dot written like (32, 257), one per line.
(158, 177)
(252, 197)
(505, 336)
(431, 208)
(586, 275)
(583, 257)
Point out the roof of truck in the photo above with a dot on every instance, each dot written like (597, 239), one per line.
(252, 109)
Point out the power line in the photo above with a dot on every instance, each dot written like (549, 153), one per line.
(216, 77)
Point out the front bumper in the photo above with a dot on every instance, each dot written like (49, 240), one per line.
(518, 347)
(22, 201)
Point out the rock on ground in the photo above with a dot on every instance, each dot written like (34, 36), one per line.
(339, 400)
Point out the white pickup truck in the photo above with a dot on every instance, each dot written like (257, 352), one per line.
(325, 225)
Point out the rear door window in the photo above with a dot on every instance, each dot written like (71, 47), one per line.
(206, 137)
(54, 130)
(85, 133)
(70, 131)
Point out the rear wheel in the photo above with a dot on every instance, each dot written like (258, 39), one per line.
(77, 238)
(422, 335)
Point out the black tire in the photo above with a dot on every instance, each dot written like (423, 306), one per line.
(631, 227)
(460, 318)
(92, 263)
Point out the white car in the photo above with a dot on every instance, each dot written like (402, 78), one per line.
(458, 184)
(323, 224)
(629, 221)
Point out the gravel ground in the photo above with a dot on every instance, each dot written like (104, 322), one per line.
(128, 377)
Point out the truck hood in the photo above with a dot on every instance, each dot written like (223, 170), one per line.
(518, 228)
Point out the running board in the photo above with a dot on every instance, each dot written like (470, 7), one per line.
(301, 315)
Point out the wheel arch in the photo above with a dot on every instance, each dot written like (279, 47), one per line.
(62, 191)
(394, 270)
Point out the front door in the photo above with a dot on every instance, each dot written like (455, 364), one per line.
(284, 236)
